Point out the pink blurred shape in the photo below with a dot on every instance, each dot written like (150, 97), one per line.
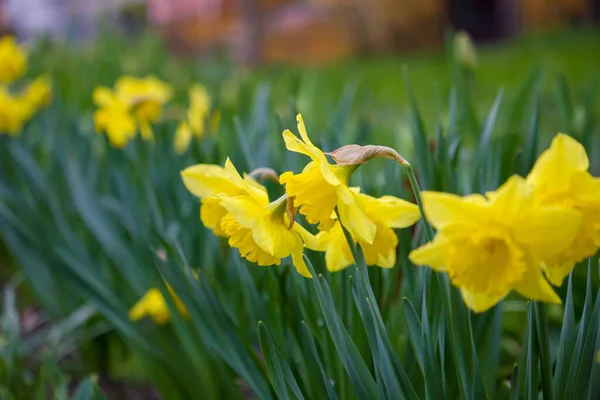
(163, 12)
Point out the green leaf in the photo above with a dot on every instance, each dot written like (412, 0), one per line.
(272, 362)
(360, 376)
(531, 373)
(309, 343)
(88, 390)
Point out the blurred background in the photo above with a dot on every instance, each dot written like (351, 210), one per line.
(304, 31)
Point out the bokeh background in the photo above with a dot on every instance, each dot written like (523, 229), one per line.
(529, 66)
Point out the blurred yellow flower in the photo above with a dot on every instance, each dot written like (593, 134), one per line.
(195, 124)
(113, 117)
(146, 96)
(206, 181)
(321, 187)
(13, 60)
(386, 212)
(134, 105)
(14, 112)
(560, 178)
(39, 92)
(153, 305)
(490, 246)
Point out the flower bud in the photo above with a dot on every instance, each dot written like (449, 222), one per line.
(354, 154)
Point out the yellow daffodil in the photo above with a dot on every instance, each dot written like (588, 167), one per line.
(262, 232)
(113, 117)
(14, 112)
(239, 208)
(153, 305)
(206, 181)
(146, 96)
(321, 187)
(194, 125)
(13, 60)
(39, 92)
(386, 212)
(490, 246)
(560, 178)
(134, 104)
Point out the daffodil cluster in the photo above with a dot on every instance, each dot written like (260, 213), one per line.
(239, 209)
(17, 106)
(132, 106)
(194, 125)
(524, 236)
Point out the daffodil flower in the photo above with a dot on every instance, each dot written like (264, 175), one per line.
(560, 178)
(153, 305)
(321, 187)
(386, 212)
(14, 112)
(145, 96)
(113, 117)
(195, 124)
(492, 245)
(207, 181)
(262, 232)
(13, 60)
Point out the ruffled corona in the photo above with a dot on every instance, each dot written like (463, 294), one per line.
(262, 233)
(560, 178)
(490, 246)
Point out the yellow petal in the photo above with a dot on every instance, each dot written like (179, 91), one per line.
(394, 212)
(432, 254)
(246, 211)
(298, 259)
(294, 144)
(152, 304)
(382, 252)
(554, 166)
(353, 217)
(183, 138)
(310, 240)
(211, 214)
(556, 273)
(512, 201)
(534, 286)
(302, 130)
(443, 209)
(259, 193)
(203, 180)
(547, 231)
(103, 96)
(480, 302)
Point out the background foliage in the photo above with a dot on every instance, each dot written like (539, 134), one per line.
(84, 223)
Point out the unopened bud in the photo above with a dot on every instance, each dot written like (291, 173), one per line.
(354, 154)
(260, 174)
(464, 50)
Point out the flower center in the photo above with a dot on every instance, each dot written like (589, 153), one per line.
(490, 264)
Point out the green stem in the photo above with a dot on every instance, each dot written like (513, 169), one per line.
(541, 322)
(417, 192)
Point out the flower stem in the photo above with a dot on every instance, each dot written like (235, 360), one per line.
(417, 192)
(541, 323)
